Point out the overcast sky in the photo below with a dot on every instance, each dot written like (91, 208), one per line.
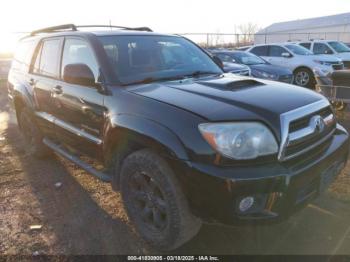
(171, 16)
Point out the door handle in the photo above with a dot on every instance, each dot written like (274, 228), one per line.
(57, 90)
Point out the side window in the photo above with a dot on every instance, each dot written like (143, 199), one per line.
(320, 48)
(23, 55)
(260, 50)
(49, 58)
(277, 51)
(306, 45)
(225, 58)
(78, 51)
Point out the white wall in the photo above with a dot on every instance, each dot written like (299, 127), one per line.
(341, 33)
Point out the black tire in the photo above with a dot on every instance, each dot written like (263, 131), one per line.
(151, 192)
(304, 77)
(31, 134)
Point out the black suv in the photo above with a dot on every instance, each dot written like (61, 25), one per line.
(181, 140)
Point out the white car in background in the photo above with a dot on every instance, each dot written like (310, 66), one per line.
(329, 47)
(300, 60)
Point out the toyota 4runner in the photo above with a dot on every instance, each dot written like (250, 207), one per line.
(184, 142)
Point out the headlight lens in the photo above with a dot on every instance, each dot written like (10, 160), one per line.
(323, 62)
(241, 140)
(265, 75)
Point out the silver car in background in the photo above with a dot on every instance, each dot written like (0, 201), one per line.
(300, 60)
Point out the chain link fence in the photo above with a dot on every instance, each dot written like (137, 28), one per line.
(225, 40)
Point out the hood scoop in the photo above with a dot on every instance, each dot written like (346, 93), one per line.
(231, 85)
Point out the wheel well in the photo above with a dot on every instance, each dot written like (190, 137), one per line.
(128, 143)
(302, 67)
(19, 105)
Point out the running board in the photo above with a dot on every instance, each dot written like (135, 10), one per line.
(76, 160)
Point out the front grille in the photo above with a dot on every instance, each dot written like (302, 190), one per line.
(307, 129)
(346, 64)
(338, 66)
(304, 121)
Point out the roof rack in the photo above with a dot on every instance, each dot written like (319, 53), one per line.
(72, 27)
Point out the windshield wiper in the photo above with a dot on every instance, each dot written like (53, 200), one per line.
(149, 80)
(200, 73)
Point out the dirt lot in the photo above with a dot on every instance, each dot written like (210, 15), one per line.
(84, 216)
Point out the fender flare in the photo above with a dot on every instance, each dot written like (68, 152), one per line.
(146, 132)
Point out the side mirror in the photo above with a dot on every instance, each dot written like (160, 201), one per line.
(79, 74)
(218, 61)
(286, 55)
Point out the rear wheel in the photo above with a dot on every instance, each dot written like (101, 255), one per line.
(305, 78)
(155, 203)
(32, 135)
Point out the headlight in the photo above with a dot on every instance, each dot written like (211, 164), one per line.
(265, 75)
(241, 140)
(322, 62)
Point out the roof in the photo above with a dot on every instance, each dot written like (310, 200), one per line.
(324, 21)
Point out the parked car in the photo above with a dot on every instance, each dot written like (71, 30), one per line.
(298, 59)
(329, 47)
(182, 141)
(231, 66)
(259, 67)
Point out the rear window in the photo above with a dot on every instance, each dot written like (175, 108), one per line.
(23, 55)
(306, 45)
(260, 50)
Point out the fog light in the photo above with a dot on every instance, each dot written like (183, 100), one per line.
(246, 203)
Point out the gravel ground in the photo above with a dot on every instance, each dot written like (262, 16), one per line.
(82, 215)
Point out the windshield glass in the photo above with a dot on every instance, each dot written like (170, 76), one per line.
(339, 47)
(298, 50)
(151, 58)
(247, 58)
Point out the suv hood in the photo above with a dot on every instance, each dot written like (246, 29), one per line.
(230, 98)
(344, 56)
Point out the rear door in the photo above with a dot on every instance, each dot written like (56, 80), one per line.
(43, 78)
(79, 109)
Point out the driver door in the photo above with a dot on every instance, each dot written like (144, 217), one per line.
(79, 109)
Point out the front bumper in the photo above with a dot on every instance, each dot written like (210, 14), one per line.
(282, 188)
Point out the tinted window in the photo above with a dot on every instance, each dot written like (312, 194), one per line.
(141, 58)
(49, 56)
(306, 45)
(225, 58)
(77, 51)
(276, 51)
(260, 50)
(320, 48)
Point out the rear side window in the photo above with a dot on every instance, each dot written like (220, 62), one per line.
(23, 55)
(260, 50)
(47, 60)
(306, 45)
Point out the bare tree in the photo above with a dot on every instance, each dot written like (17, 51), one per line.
(247, 32)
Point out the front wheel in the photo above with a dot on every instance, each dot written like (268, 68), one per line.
(155, 202)
(305, 78)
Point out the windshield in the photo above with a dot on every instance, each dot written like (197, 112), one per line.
(150, 58)
(339, 47)
(247, 58)
(298, 50)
